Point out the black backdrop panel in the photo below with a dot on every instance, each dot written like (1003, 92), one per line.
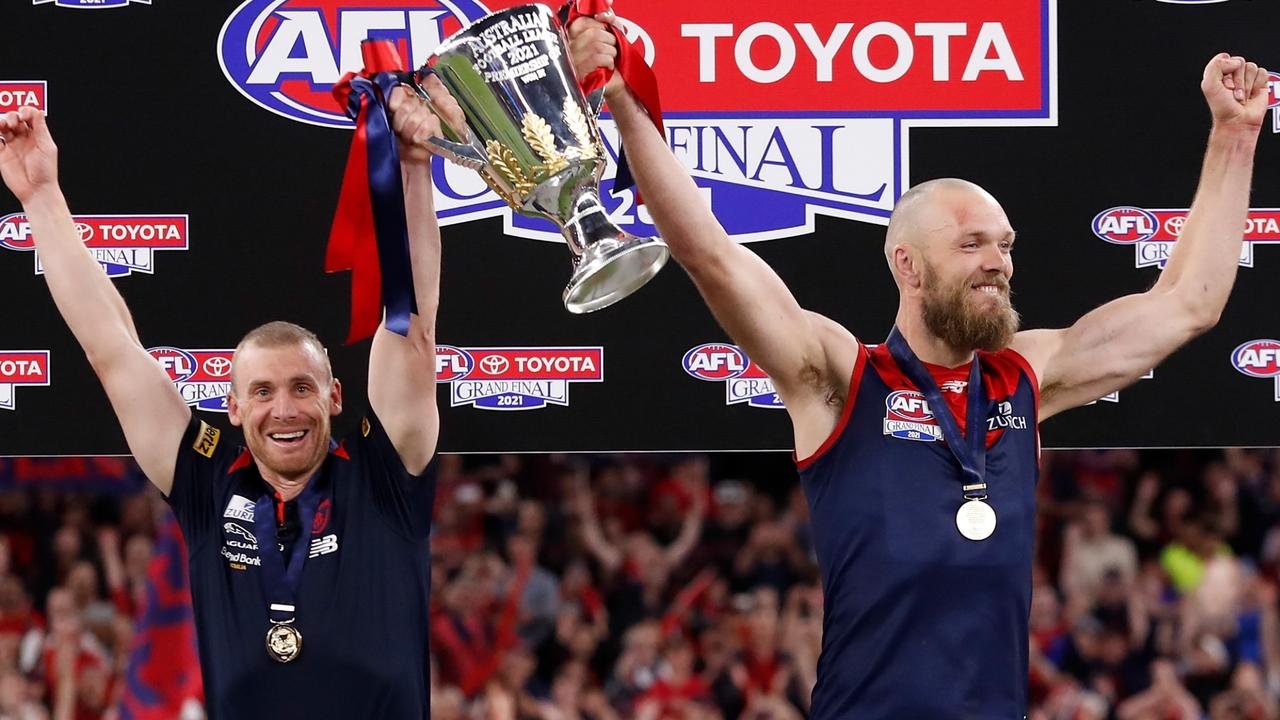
(213, 205)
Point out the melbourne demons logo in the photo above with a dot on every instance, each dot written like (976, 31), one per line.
(744, 381)
(21, 367)
(202, 377)
(781, 111)
(1260, 359)
(18, 93)
(907, 417)
(516, 378)
(122, 244)
(1153, 232)
(90, 4)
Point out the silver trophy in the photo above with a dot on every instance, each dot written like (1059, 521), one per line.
(533, 138)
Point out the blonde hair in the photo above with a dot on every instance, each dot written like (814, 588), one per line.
(279, 333)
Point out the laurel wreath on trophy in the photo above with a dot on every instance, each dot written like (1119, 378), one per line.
(542, 139)
(586, 148)
(508, 165)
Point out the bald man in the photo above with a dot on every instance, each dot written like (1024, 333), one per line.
(919, 457)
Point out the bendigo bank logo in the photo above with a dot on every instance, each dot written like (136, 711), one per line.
(744, 381)
(1154, 232)
(529, 378)
(202, 377)
(1260, 359)
(122, 244)
(780, 111)
(21, 367)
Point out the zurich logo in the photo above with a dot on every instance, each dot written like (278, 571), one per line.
(286, 55)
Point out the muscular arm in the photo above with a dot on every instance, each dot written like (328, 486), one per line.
(1119, 342)
(807, 356)
(151, 412)
(402, 370)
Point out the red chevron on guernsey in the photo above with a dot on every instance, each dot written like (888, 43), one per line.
(1154, 232)
(21, 367)
(20, 93)
(123, 244)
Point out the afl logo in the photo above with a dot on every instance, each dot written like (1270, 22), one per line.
(908, 405)
(452, 363)
(180, 364)
(1125, 225)
(1258, 358)
(286, 55)
(715, 362)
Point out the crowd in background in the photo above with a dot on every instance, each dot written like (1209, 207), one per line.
(685, 588)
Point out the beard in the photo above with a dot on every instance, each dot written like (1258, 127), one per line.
(949, 314)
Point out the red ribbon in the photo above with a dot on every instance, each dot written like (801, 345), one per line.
(630, 63)
(352, 239)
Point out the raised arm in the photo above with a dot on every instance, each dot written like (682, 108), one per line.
(1119, 342)
(808, 357)
(402, 370)
(151, 412)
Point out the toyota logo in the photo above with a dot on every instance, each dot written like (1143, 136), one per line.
(494, 365)
(217, 366)
(85, 230)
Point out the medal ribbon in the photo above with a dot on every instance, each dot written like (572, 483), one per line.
(281, 582)
(370, 234)
(972, 455)
(635, 72)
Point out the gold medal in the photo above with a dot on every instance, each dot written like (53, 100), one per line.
(284, 642)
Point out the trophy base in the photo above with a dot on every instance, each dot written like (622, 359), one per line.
(612, 269)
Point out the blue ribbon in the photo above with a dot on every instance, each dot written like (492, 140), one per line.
(386, 193)
(972, 455)
(281, 582)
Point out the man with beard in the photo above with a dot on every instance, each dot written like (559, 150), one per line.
(919, 456)
(309, 558)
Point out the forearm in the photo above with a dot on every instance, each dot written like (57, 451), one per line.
(1203, 264)
(424, 245)
(682, 216)
(88, 302)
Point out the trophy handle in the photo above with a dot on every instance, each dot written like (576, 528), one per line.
(466, 155)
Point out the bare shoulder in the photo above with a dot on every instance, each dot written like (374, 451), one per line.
(825, 377)
(1038, 347)
(817, 402)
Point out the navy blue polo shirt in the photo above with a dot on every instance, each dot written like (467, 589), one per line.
(364, 591)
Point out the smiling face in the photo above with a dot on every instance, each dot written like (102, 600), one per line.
(283, 396)
(960, 244)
